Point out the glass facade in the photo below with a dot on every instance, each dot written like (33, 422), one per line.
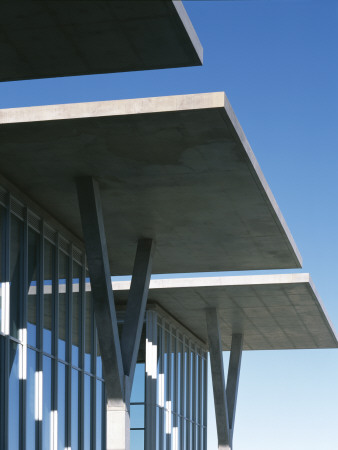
(51, 385)
(52, 391)
(176, 386)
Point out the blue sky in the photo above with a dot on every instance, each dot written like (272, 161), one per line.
(277, 61)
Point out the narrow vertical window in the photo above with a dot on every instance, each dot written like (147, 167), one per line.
(63, 305)
(61, 438)
(48, 296)
(14, 406)
(31, 395)
(32, 309)
(87, 412)
(75, 410)
(16, 275)
(47, 404)
(76, 318)
(89, 328)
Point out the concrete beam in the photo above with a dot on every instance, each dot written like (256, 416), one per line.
(136, 306)
(233, 379)
(100, 278)
(218, 383)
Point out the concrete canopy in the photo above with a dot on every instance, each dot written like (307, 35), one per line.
(63, 38)
(178, 170)
(273, 312)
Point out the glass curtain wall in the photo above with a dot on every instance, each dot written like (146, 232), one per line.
(51, 386)
(176, 387)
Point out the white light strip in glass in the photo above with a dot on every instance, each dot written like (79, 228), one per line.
(23, 354)
(38, 396)
(168, 417)
(161, 390)
(175, 438)
(5, 308)
(53, 430)
(151, 359)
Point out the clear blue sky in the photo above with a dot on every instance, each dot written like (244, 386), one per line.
(277, 61)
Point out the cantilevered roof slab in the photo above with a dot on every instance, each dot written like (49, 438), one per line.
(175, 169)
(272, 311)
(42, 39)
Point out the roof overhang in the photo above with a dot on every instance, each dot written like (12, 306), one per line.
(273, 312)
(175, 169)
(42, 39)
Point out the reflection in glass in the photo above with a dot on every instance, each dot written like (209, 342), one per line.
(75, 410)
(30, 401)
(99, 421)
(16, 274)
(2, 260)
(32, 310)
(136, 416)
(89, 324)
(48, 297)
(76, 318)
(138, 390)
(137, 440)
(63, 305)
(46, 402)
(14, 396)
(87, 412)
(98, 358)
(61, 406)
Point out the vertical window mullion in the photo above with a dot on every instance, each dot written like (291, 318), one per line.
(69, 349)
(55, 337)
(40, 321)
(205, 400)
(82, 352)
(6, 338)
(25, 284)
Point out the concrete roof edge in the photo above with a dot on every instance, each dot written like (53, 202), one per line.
(237, 280)
(183, 15)
(267, 191)
(107, 108)
(323, 311)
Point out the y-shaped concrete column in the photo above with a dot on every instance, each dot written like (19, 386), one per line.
(118, 361)
(224, 398)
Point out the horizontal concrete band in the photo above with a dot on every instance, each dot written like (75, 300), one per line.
(177, 170)
(55, 39)
(271, 311)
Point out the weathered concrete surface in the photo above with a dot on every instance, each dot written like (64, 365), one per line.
(59, 38)
(177, 169)
(271, 311)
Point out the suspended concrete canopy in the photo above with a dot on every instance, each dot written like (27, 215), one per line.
(177, 170)
(42, 39)
(272, 312)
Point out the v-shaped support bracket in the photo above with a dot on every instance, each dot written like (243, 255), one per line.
(118, 358)
(225, 398)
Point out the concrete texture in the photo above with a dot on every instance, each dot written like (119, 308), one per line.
(177, 170)
(59, 38)
(271, 311)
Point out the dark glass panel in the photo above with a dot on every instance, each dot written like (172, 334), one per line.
(33, 286)
(76, 314)
(98, 359)
(46, 402)
(63, 305)
(14, 404)
(87, 412)
(16, 275)
(61, 406)
(89, 328)
(75, 410)
(48, 297)
(30, 401)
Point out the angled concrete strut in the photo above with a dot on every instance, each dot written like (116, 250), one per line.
(224, 397)
(100, 279)
(233, 379)
(136, 306)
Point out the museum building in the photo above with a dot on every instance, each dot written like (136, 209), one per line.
(131, 187)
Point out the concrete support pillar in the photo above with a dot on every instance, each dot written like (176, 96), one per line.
(218, 383)
(224, 398)
(118, 427)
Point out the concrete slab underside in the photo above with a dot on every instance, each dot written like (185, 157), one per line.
(178, 170)
(59, 38)
(271, 311)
